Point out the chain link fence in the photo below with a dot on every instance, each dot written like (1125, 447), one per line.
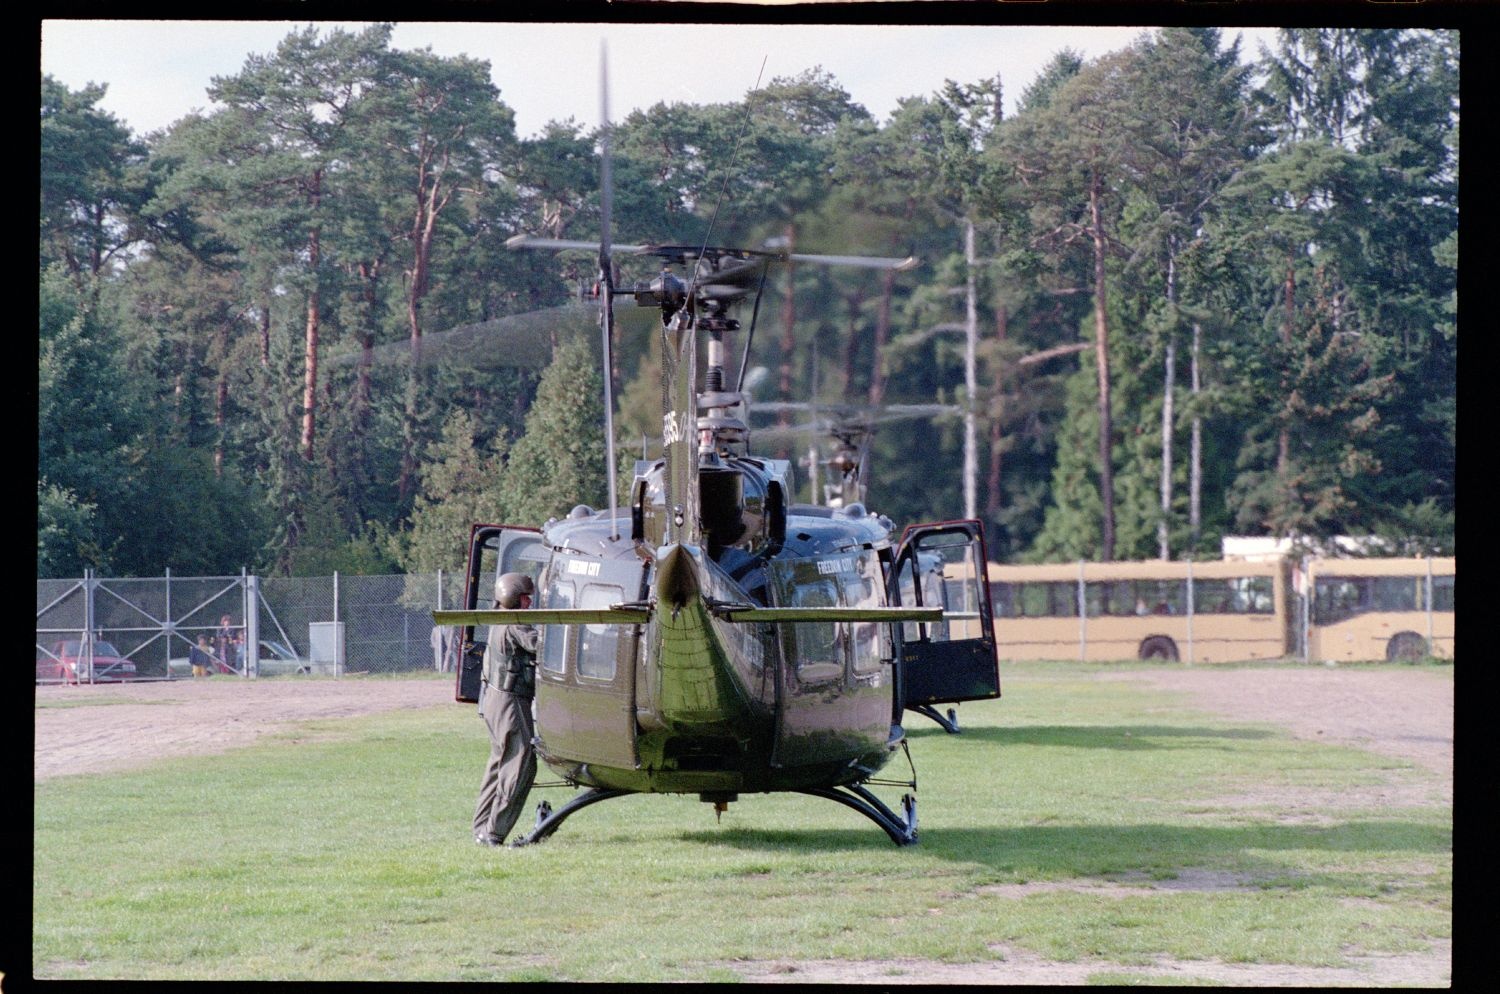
(94, 629)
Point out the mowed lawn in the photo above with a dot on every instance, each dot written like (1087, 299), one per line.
(1076, 819)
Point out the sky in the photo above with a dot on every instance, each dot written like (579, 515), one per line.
(157, 71)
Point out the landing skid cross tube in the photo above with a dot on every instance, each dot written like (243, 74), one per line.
(902, 830)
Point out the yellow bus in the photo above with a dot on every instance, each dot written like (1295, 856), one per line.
(1391, 609)
(1317, 610)
(1196, 612)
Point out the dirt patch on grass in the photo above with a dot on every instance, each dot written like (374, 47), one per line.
(1425, 969)
(1402, 712)
(1399, 711)
(1131, 885)
(145, 722)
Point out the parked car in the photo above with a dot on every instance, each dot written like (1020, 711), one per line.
(276, 659)
(65, 662)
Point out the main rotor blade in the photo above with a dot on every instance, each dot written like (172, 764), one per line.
(534, 242)
(515, 341)
(857, 413)
(685, 252)
(861, 261)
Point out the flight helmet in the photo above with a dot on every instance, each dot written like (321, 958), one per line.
(511, 587)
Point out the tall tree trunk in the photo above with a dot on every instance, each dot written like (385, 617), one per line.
(1195, 471)
(221, 400)
(265, 335)
(362, 400)
(971, 379)
(430, 202)
(1289, 314)
(882, 335)
(310, 348)
(788, 322)
(855, 301)
(1169, 377)
(1101, 356)
(997, 419)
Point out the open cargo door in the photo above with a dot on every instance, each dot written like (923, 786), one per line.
(952, 660)
(493, 550)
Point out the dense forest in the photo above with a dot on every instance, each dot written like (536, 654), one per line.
(1213, 295)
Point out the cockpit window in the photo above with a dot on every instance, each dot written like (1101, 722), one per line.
(849, 579)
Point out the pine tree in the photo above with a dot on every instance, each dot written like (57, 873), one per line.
(460, 488)
(560, 461)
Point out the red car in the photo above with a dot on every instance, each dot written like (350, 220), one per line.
(64, 662)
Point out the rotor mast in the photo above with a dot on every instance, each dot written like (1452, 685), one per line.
(607, 284)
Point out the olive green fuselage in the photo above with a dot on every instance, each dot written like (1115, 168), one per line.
(692, 702)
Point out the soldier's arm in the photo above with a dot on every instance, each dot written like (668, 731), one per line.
(522, 637)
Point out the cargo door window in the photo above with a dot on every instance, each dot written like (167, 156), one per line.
(554, 650)
(597, 644)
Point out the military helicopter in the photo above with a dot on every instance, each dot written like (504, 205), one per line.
(712, 637)
(851, 428)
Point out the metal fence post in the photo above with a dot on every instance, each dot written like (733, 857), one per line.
(1190, 610)
(1431, 650)
(1083, 623)
(87, 642)
(252, 624)
(338, 654)
(1305, 604)
(167, 622)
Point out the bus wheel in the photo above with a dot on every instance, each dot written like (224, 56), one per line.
(1158, 647)
(1406, 647)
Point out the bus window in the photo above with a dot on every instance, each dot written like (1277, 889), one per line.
(1337, 598)
(1002, 600)
(1253, 594)
(597, 643)
(1043, 599)
(1442, 593)
(1102, 597)
(1237, 595)
(1161, 596)
(554, 652)
(1123, 598)
(1395, 593)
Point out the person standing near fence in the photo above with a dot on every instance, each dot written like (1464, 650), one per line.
(509, 682)
(444, 639)
(226, 642)
(200, 657)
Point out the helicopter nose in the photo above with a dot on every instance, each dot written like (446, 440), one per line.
(676, 577)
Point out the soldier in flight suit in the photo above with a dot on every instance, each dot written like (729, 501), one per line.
(509, 676)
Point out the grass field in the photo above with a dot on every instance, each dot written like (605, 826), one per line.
(1076, 820)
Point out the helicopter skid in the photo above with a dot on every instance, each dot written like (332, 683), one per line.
(902, 828)
(548, 820)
